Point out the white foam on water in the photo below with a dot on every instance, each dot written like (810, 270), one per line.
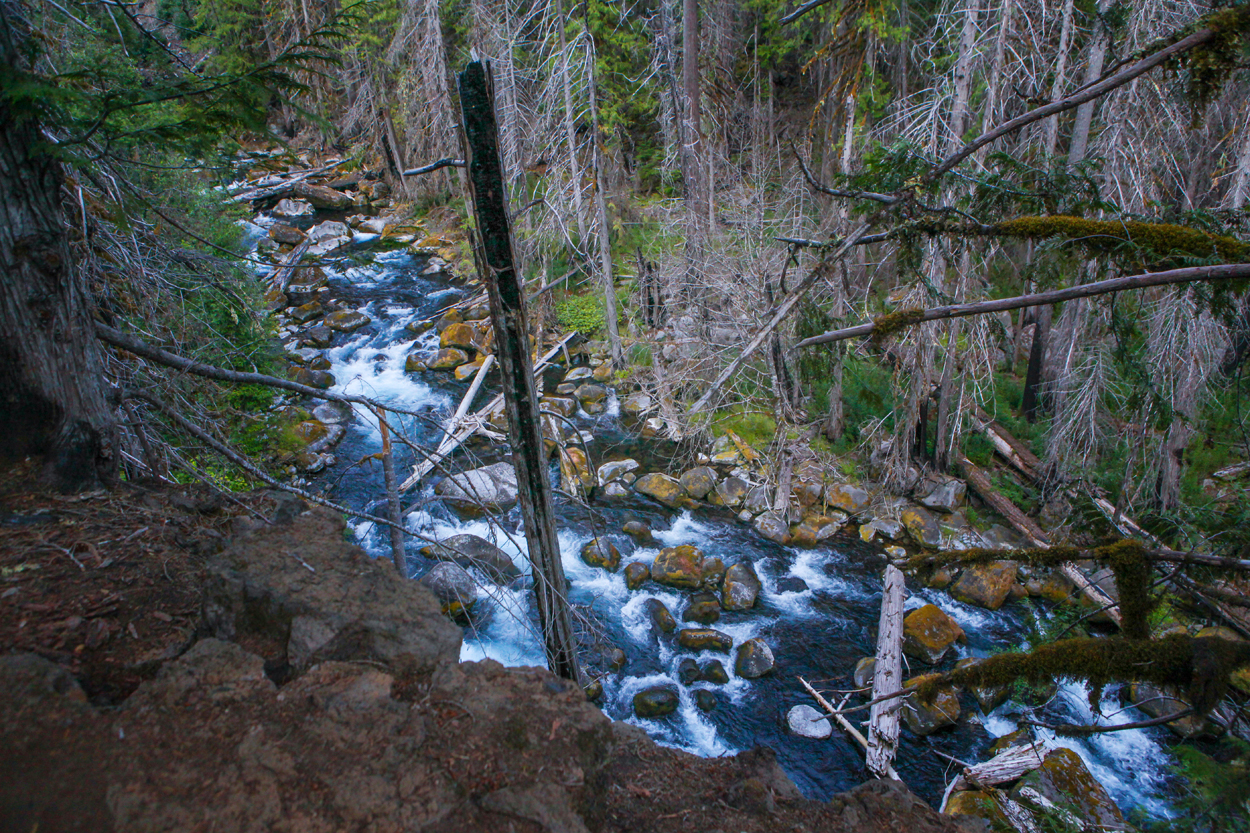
(687, 728)
(510, 636)
(394, 258)
(612, 408)
(969, 617)
(633, 614)
(356, 372)
(687, 529)
(809, 566)
(361, 237)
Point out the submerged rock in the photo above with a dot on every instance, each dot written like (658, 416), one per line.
(705, 700)
(928, 633)
(656, 701)
(755, 659)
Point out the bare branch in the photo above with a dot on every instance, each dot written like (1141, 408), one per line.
(434, 166)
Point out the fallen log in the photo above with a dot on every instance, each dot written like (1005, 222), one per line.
(883, 720)
(280, 186)
(281, 278)
(836, 714)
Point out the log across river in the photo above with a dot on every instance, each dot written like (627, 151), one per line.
(818, 608)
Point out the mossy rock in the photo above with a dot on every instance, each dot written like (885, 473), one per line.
(850, 499)
(347, 321)
(680, 567)
(465, 372)
(713, 573)
(660, 615)
(448, 358)
(705, 639)
(928, 633)
(1064, 780)
(985, 585)
(575, 473)
(452, 316)
(741, 587)
(657, 701)
(864, 671)
(988, 697)
(640, 531)
(415, 363)
(309, 431)
(924, 717)
(307, 312)
(714, 672)
(981, 805)
(698, 482)
(636, 575)
(319, 379)
(754, 659)
(457, 334)
(729, 492)
(663, 488)
(603, 554)
(922, 526)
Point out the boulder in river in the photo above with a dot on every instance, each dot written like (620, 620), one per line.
(565, 406)
(640, 531)
(680, 567)
(741, 587)
(864, 671)
(705, 700)
(289, 235)
(453, 587)
(791, 584)
(319, 379)
(319, 196)
(1157, 702)
(924, 717)
(292, 209)
(772, 526)
(755, 659)
(663, 488)
(307, 312)
(730, 492)
(985, 585)
(807, 722)
(491, 487)
(714, 672)
(465, 372)
(656, 701)
(575, 474)
(703, 608)
(713, 573)
(592, 397)
(319, 336)
(659, 615)
(347, 321)
(636, 574)
(928, 633)
(819, 528)
(329, 230)
(615, 470)
(449, 358)
(698, 482)
(475, 551)
(457, 334)
(688, 672)
(600, 553)
(886, 527)
(988, 697)
(705, 639)
(922, 526)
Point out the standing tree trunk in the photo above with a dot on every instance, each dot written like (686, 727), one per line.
(605, 231)
(1093, 69)
(508, 317)
(692, 150)
(52, 390)
(1051, 125)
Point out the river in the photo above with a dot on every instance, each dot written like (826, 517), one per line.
(817, 633)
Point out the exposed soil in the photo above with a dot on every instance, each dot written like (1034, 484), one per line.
(169, 664)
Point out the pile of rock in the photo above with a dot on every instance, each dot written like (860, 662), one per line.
(465, 339)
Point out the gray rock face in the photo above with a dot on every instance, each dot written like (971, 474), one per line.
(327, 230)
(347, 606)
(290, 209)
(773, 527)
(493, 487)
(807, 722)
(474, 551)
(635, 406)
(946, 497)
(756, 500)
(453, 586)
(732, 491)
(698, 482)
(615, 470)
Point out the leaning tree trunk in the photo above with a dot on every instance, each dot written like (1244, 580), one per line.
(52, 400)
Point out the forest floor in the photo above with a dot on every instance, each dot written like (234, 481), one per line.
(122, 709)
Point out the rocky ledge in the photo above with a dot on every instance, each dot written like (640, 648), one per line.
(323, 693)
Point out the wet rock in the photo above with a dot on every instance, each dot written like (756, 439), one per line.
(465, 372)
(332, 413)
(773, 527)
(705, 700)
(577, 374)
(850, 499)
(448, 358)
(1011, 740)
(616, 490)
(656, 701)
(680, 567)
(635, 406)
(926, 717)
(453, 587)
(922, 527)
(565, 406)
(616, 659)
(493, 487)
(1158, 702)
(703, 608)
(791, 584)
(575, 474)
(307, 312)
(730, 492)
(698, 482)
(713, 573)
(287, 235)
(947, 496)
(663, 488)
(659, 615)
(319, 379)
(714, 672)
(741, 587)
(457, 334)
(705, 639)
(688, 672)
(985, 585)
(928, 634)
(415, 363)
(591, 397)
(807, 722)
(276, 301)
(988, 697)
(603, 554)
(890, 529)
(292, 209)
(474, 551)
(328, 230)
(940, 578)
(615, 470)
(755, 659)
(347, 321)
(864, 669)
(817, 529)
(999, 537)
(594, 690)
(1064, 781)
(636, 575)
(319, 196)
(319, 336)
(639, 531)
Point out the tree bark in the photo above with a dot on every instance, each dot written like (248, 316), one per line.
(605, 231)
(52, 389)
(887, 677)
(511, 324)
(1093, 68)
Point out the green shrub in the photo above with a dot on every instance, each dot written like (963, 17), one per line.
(582, 314)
